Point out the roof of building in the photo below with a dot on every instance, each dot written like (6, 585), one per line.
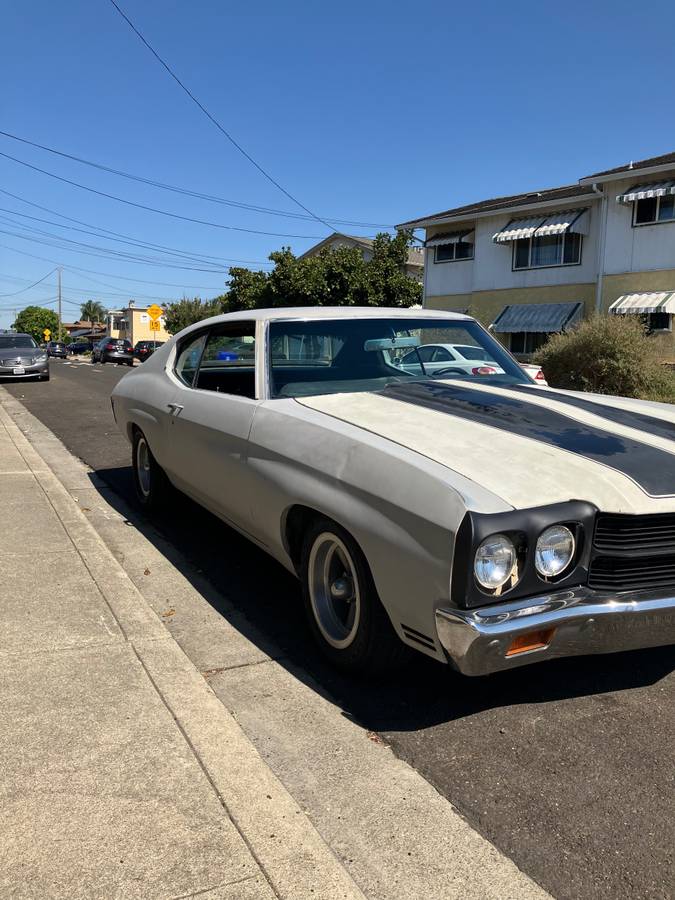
(531, 198)
(499, 203)
(415, 254)
(663, 160)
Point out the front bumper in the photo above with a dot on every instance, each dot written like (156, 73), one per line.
(30, 371)
(573, 622)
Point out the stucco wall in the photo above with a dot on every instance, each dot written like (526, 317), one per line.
(491, 268)
(636, 249)
(486, 305)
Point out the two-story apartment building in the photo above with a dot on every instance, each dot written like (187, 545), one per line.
(533, 264)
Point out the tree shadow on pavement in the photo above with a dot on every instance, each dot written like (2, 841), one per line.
(262, 600)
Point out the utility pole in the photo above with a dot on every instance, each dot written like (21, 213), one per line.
(59, 294)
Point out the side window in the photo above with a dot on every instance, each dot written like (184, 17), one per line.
(188, 359)
(228, 361)
(441, 355)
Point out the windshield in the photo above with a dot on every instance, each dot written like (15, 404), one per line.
(349, 355)
(9, 341)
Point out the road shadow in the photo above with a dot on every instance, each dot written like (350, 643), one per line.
(262, 600)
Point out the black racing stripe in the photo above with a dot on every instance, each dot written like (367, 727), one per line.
(651, 468)
(629, 418)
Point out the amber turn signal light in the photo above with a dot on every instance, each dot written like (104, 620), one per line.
(531, 640)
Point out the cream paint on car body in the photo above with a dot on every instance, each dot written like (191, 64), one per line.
(524, 471)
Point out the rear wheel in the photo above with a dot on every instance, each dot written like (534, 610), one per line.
(344, 612)
(150, 482)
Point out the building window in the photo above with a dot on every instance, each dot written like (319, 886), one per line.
(659, 321)
(547, 250)
(527, 342)
(653, 210)
(452, 252)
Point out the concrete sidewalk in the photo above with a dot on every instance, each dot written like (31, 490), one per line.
(122, 774)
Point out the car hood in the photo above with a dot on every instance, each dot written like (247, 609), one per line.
(528, 445)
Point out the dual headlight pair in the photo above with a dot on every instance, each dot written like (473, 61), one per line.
(496, 559)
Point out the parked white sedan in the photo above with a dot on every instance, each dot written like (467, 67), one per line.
(476, 518)
(450, 359)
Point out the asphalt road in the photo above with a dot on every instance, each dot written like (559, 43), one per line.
(568, 766)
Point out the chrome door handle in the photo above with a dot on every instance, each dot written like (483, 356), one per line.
(174, 407)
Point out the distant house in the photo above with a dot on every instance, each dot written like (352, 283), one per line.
(84, 330)
(337, 240)
(536, 263)
(133, 324)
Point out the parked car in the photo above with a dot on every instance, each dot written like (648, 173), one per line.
(57, 349)
(478, 519)
(20, 357)
(449, 359)
(77, 347)
(536, 373)
(144, 349)
(115, 350)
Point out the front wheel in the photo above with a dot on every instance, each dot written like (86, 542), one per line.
(344, 612)
(150, 482)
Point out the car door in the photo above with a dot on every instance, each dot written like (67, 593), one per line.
(212, 413)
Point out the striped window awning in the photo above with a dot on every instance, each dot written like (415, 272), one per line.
(574, 220)
(647, 191)
(643, 304)
(539, 318)
(451, 237)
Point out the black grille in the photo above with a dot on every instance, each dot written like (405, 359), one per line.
(632, 553)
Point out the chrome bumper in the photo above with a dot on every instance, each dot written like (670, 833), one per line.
(575, 622)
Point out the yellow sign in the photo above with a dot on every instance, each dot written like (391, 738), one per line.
(47, 333)
(155, 312)
(155, 326)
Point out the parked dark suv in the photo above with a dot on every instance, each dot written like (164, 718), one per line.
(145, 349)
(113, 350)
(57, 348)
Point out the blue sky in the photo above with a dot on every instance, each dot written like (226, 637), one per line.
(371, 112)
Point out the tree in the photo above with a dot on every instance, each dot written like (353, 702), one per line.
(188, 311)
(339, 277)
(34, 319)
(92, 311)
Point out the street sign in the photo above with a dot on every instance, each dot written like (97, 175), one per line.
(47, 334)
(155, 312)
(155, 326)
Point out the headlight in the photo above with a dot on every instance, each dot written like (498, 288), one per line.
(494, 561)
(554, 551)
(39, 359)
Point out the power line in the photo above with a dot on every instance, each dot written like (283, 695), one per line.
(215, 121)
(35, 283)
(187, 287)
(201, 257)
(162, 212)
(187, 191)
(61, 243)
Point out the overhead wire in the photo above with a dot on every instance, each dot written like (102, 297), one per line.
(211, 198)
(127, 238)
(215, 121)
(34, 284)
(161, 212)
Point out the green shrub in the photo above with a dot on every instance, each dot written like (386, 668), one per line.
(606, 355)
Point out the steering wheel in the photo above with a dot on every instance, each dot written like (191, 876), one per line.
(449, 370)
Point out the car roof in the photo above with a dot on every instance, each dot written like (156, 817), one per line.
(283, 313)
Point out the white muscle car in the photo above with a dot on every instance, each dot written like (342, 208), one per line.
(479, 519)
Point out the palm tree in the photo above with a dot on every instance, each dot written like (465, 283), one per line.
(92, 311)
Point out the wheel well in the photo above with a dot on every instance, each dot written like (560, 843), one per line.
(298, 520)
